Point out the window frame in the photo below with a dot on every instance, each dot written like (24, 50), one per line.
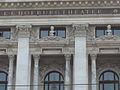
(4, 82)
(3, 30)
(103, 82)
(53, 82)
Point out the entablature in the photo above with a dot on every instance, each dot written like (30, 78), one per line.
(64, 7)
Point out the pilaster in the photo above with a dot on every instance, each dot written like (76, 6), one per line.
(80, 66)
(23, 58)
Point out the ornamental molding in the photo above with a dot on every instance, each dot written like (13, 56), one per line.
(45, 8)
(58, 4)
(106, 37)
(46, 68)
(22, 31)
(2, 39)
(101, 67)
(52, 38)
(80, 29)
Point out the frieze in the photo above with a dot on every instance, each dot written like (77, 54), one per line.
(46, 12)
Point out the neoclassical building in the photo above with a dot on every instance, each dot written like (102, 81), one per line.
(59, 44)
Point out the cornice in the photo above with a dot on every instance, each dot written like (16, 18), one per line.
(59, 4)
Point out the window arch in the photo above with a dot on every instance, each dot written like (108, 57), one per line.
(3, 80)
(53, 81)
(108, 80)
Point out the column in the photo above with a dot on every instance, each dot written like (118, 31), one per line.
(23, 58)
(80, 63)
(67, 72)
(10, 74)
(93, 67)
(36, 72)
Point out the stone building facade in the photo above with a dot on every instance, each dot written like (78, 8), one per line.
(59, 44)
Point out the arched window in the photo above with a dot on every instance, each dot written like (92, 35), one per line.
(53, 81)
(3, 80)
(109, 80)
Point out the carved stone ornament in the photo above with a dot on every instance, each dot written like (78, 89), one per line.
(52, 38)
(23, 30)
(103, 66)
(80, 29)
(67, 57)
(108, 37)
(2, 39)
(44, 69)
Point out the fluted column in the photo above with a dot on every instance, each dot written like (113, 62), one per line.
(67, 72)
(93, 67)
(10, 74)
(36, 72)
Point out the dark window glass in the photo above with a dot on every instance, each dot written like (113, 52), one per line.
(53, 81)
(2, 87)
(108, 76)
(44, 32)
(5, 32)
(60, 31)
(100, 31)
(117, 32)
(54, 77)
(3, 80)
(109, 81)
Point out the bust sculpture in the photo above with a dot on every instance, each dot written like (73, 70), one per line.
(109, 31)
(52, 32)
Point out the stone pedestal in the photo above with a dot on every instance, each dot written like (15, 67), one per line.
(23, 59)
(80, 67)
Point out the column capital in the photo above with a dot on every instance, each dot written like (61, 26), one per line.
(36, 56)
(80, 29)
(93, 56)
(11, 57)
(67, 57)
(23, 30)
